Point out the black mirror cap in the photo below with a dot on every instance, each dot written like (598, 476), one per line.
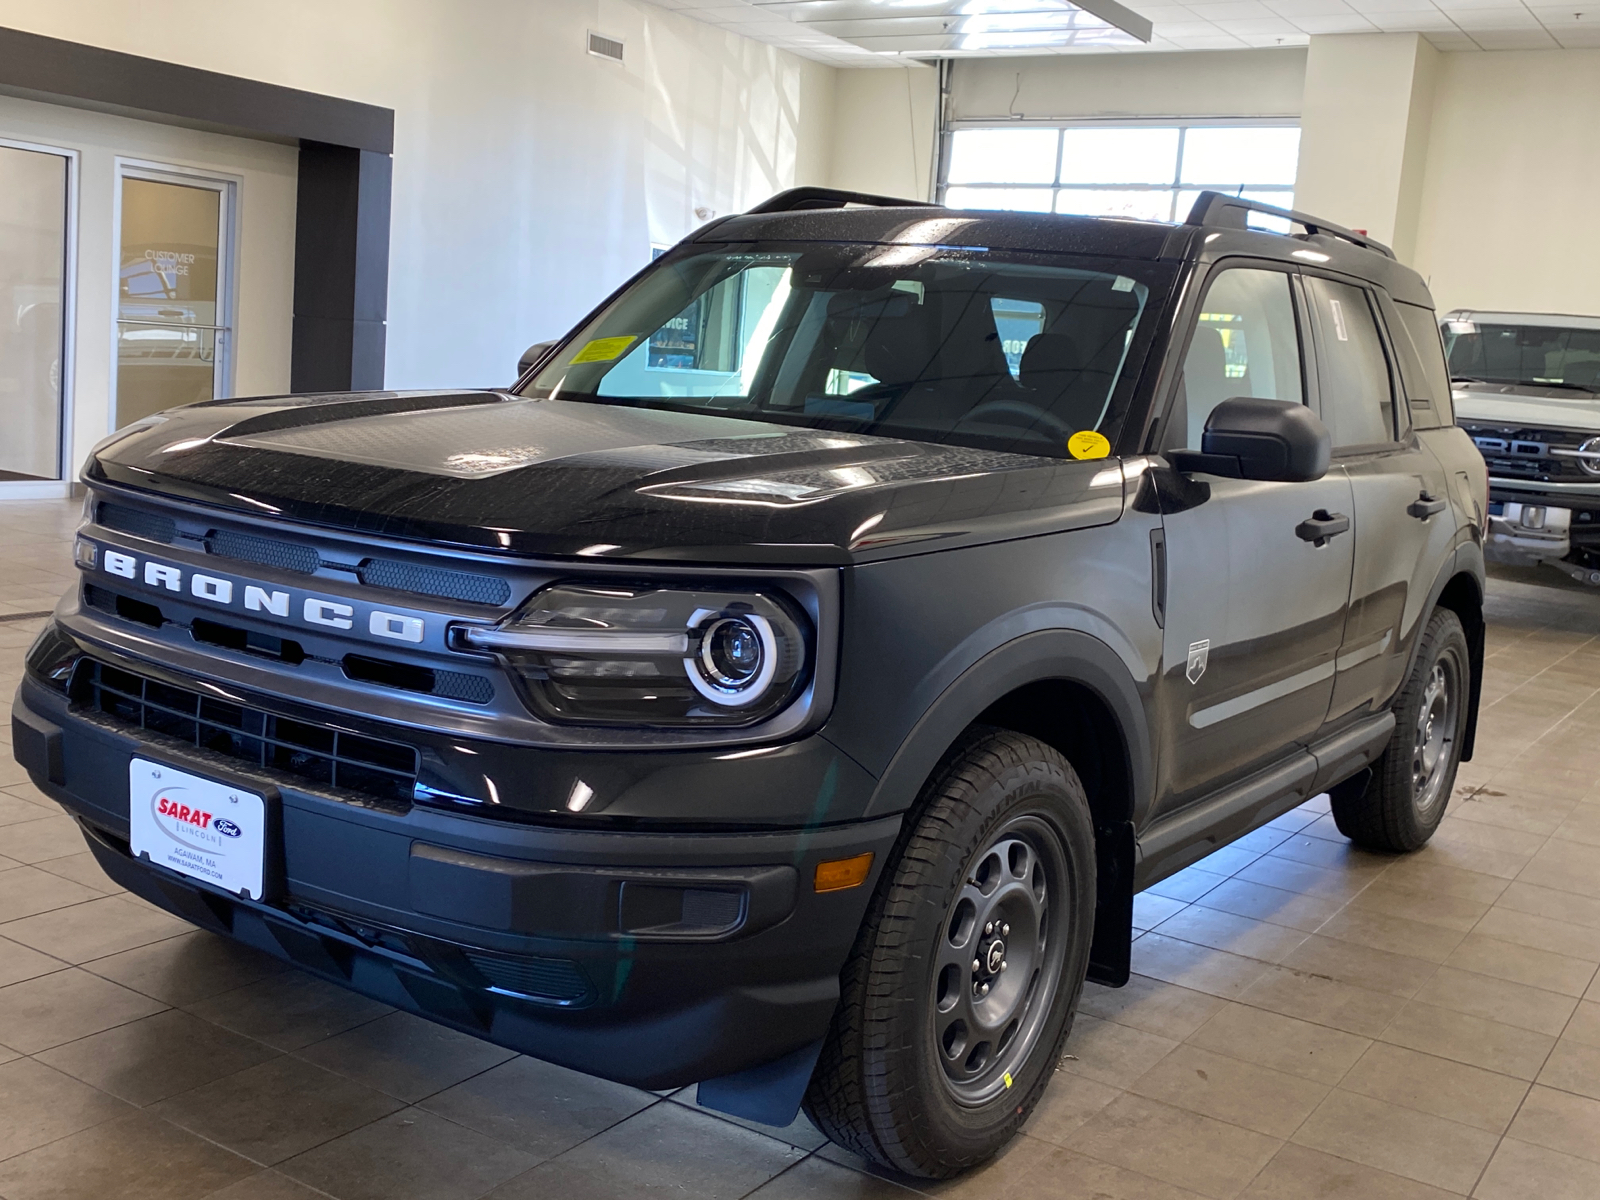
(532, 355)
(1275, 440)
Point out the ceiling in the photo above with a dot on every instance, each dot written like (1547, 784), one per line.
(859, 33)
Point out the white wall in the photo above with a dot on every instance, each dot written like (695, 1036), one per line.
(530, 178)
(1513, 181)
(264, 175)
(1226, 83)
(883, 131)
(1365, 122)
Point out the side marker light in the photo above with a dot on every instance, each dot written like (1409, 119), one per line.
(842, 873)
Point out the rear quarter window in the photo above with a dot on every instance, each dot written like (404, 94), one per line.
(1422, 366)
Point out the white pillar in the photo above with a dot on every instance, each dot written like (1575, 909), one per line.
(1365, 121)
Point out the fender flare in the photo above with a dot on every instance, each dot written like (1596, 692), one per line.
(1050, 654)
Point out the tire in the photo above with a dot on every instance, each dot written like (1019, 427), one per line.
(1001, 836)
(1403, 800)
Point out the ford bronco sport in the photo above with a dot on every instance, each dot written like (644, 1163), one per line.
(788, 685)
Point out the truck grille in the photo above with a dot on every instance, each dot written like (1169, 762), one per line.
(1525, 453)
(319, 754)
(391, 574)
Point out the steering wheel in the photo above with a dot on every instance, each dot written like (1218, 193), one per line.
(1022, 413)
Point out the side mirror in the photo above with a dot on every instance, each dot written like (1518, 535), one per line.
(1251, 437)
(532, 355)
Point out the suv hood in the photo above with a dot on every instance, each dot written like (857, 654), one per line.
(1523, 405)
(489, 470)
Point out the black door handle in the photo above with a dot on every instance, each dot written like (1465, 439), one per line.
(1424, 506)
(1320, 526)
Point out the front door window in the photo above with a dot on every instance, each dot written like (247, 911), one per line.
(172, 325)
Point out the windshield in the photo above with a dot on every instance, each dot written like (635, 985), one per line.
(1533, 355)
(956, 346)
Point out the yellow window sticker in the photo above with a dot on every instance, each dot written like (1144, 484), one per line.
(604, 349)
(1086, 443)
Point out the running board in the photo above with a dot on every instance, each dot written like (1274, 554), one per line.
(1185, 837)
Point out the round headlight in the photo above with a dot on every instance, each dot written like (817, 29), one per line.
(737, 660)
(730, 652)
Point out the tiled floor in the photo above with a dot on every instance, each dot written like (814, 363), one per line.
(1306, 1021)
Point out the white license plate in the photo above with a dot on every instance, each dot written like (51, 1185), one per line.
(205, 829)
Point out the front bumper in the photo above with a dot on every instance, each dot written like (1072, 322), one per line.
(655, 959)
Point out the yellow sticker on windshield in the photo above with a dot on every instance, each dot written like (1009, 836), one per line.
(1086, 443)
(604, 349)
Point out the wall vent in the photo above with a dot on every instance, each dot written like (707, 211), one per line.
(605, 47)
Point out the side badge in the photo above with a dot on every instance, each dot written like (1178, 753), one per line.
(1198, 653)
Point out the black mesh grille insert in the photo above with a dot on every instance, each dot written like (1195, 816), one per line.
(310, 751)
(140, 524)
(269, 552)
(432, 581)
(431, 681)
(552, 979)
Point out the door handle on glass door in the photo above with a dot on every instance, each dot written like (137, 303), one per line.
(1320, 526)
(1424, 506)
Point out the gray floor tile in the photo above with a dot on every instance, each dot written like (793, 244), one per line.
(666, 1150)
(275, 1110)
(405, 1055)
(539, 1108)
(156, 1057)
(412, 1155)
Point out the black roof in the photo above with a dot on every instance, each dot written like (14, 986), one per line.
(1217, 226)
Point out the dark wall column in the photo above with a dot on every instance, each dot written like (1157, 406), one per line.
(341, 269)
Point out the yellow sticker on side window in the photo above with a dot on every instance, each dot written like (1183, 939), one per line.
(1086, 443)
(604, 349)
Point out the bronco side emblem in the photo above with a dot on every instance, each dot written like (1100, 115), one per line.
(1198, 653)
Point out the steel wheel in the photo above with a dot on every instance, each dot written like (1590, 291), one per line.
(999, 962)
(1434, 740)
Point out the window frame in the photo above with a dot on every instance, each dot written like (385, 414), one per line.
(1188, 321)
(1398, 401)
(1174, 188)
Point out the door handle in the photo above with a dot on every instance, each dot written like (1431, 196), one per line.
(1320, 526)
(1424, 506)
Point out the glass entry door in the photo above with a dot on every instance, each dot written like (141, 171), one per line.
(33, 257)
(172, 292)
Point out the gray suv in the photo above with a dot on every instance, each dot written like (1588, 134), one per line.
(789, 683)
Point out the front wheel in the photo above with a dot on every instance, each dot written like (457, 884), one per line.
(1405, 798)
(963, 982)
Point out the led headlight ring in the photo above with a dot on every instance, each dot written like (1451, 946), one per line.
(709, 678)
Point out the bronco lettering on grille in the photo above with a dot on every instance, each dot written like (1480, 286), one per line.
(322, 611)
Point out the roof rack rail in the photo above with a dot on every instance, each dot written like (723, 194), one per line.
(1219, 211)
(797, 199)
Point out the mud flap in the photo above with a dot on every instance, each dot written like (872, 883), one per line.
(769, 1094)
(1112, 949)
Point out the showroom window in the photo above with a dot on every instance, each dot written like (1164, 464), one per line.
(1150, 172)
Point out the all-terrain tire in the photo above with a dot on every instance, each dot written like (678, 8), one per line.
(1002, 811)
(1401, 803)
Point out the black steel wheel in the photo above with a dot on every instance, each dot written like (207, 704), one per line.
(1400, 803)
(998, 966)
(967, 971)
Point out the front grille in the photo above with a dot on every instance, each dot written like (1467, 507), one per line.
(553, 980)
(1525, 453)
(140, 524)
(433, 581)
(269, 552)
(314, 752)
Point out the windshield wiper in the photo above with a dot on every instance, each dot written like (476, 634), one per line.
(1473, 379)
